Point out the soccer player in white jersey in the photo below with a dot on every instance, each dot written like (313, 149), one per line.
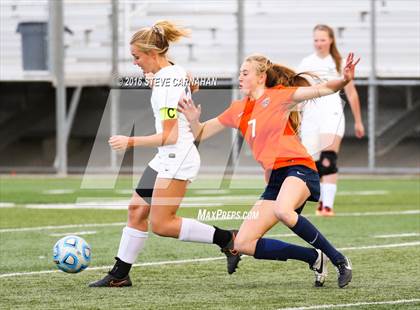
(323, 121)
(164, 182)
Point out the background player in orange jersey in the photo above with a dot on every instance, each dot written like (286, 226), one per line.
(265, 121)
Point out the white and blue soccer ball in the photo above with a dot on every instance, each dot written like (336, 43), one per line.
(72, 254)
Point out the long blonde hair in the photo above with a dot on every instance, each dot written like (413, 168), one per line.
(158, 36)
(279, 75)
(333, 47)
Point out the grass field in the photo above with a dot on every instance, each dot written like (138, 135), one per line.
(377, 226)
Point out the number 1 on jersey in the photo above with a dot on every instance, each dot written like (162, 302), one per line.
(253, 123)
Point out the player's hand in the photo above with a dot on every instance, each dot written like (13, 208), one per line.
(189, 109)
(359, 130)
(118, 143)
(348, 71)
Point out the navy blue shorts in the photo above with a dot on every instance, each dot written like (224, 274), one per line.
(277, 177)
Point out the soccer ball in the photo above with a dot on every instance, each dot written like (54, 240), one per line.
(72, 254)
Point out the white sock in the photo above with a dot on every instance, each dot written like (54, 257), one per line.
(328, 194)
(321, 191)
(195, 231)
(132, 242)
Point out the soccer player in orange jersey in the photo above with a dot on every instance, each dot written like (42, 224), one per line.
(264, 119)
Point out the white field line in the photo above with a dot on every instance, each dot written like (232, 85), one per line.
(223, 198)
(227, 191)
(7, 205)
(110, 206)
(362, 193)
(209, 201)
(381, 246)
(406, 212)
(78, 233)
(170, 262)
(210, 191)
(358, 304)
(6, 230)
(397, 235)
(219, 192)
(201, 204)
(124, 191)
(213, 191)
(58, 191)
(206, 259)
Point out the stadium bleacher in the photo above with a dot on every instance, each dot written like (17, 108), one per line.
(282, 30)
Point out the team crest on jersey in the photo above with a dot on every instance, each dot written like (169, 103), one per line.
(265, 102)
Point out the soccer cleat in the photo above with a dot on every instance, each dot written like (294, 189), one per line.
(318, 211)
(233, 257)
(327, 212)
(320, 268)
(110, 281)
(344, 272)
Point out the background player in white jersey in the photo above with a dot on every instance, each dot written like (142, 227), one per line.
(323, 122)
(164, 182)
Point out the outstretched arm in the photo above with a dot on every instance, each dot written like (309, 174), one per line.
(330, 87)
(201, 131)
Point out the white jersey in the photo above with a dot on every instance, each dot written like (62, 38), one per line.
(170, 86)
(323, 115)
(324, 69)
(180, 160)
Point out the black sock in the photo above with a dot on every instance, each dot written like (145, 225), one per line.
(313, 236)
(221, 237)
(120, 269)
(280, 250)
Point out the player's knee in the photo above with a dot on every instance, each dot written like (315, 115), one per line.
(138, 211)
(327, 163)
(138, 216)
(157, 227)
(160, 227)
(285, 216)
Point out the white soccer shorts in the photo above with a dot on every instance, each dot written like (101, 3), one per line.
(321, 116)
(177, 165)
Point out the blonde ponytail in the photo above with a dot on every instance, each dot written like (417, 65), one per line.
(158, 36)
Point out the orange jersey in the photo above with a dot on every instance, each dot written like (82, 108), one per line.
(266, 127)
